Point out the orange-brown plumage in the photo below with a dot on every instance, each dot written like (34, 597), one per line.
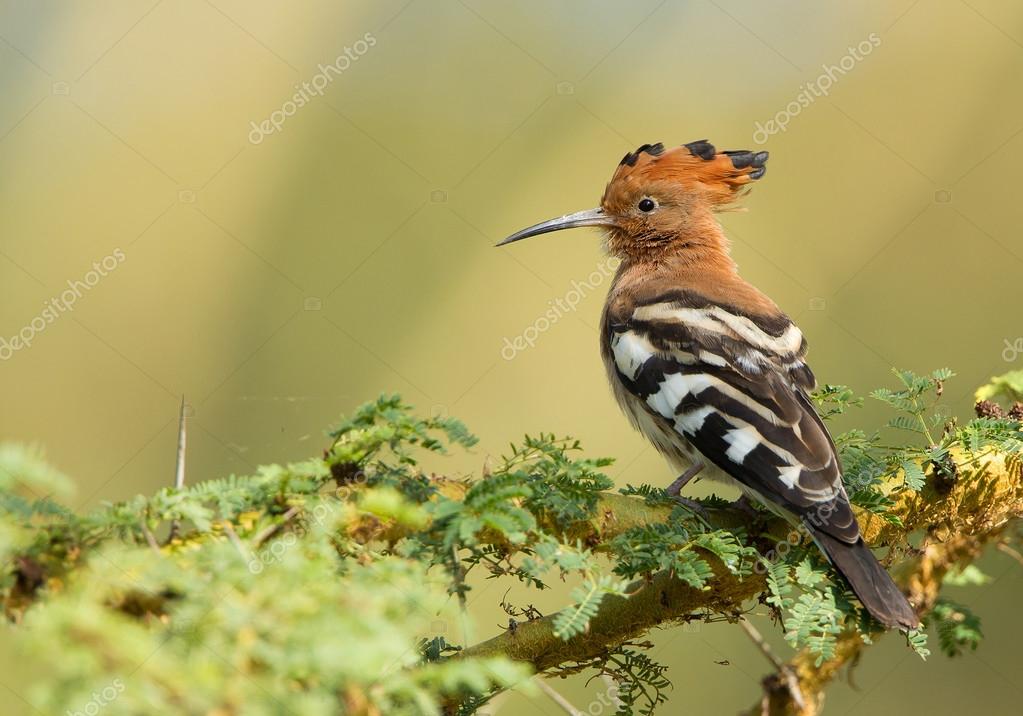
(708, 367)
(689, 184)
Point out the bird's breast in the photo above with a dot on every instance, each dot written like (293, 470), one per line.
(674, 446)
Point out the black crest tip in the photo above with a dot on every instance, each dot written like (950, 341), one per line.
(653, 150)
(702, 149)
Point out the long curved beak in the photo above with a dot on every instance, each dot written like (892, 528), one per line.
(590, 217)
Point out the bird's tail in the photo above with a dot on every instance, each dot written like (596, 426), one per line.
(869, 581)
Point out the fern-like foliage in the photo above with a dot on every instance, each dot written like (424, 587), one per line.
(642, 684)
(681, 545)
(957, 627)
(586, 600)
(325, 586)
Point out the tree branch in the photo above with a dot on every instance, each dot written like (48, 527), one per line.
(958, 520)
(958, 524)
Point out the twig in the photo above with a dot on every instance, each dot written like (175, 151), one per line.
(784, 670)
(268, 532)
(1002, 547)
(150, 537)
(557, 698)
(459, 574)
(236, 541)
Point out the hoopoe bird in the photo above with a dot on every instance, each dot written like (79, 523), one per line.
(706, 366)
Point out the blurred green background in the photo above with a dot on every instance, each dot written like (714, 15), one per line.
(279, 279)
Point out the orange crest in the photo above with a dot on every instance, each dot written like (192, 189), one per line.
(719, 176)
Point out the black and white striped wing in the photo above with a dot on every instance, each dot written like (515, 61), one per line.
(736, 389)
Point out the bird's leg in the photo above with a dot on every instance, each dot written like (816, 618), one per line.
(682, 480)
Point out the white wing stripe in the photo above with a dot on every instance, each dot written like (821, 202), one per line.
(715, 319)
(631, 350)
(696, 382)
(741, 443)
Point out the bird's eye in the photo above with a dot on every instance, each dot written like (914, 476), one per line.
(647, 204)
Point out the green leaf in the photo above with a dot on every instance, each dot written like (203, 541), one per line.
(807, 576)
(586, 600)
(1008, 385)
(968, 576)
(913, 475)
(917, 641)
(958, 628)
(778, 583)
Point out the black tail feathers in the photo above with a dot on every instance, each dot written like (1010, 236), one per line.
(869, 580)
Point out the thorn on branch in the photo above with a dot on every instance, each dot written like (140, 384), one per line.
(179, 465)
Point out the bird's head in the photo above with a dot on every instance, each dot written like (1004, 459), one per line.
(663, 199)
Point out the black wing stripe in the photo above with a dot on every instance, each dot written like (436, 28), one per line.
(741, 407)
(778, 433)
(686, 298)
(651, 373)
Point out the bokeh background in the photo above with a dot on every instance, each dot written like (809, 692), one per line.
(278, 280)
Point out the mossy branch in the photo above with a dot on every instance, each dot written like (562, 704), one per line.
(957, 520)
(658, 600)
(366, 529)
